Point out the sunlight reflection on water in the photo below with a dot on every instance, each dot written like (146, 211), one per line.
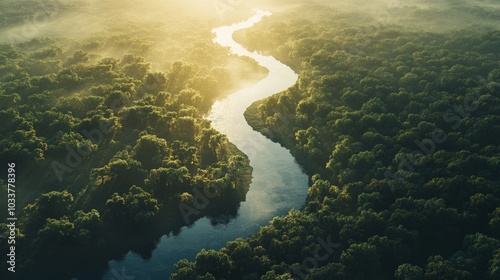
(278, 183)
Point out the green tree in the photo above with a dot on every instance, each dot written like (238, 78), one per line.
(409, 272)
(53, 205)
(216, 263)
(137, 207)
(150, 151)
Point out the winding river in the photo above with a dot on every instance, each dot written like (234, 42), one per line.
(278, 184)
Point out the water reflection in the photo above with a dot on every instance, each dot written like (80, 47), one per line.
(278, 183)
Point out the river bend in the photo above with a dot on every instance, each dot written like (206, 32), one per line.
(278, 182)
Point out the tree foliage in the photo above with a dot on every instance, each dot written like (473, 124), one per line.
(396, 126)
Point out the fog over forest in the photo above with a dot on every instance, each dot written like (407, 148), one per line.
(105, 137)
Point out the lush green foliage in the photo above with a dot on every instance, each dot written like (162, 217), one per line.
(399, 206)
(106, 142)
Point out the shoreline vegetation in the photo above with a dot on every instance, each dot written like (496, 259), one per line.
(394, 123)
(109, 139)
(395, 118)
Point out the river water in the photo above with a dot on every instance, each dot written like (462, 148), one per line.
(278, 182)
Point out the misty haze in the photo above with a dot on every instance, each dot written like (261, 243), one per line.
(250, 140)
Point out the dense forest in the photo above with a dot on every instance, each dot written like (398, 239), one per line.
(395, 118)
(398, 125)
(107, 134)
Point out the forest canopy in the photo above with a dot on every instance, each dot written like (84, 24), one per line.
(395, 116)
(106, 128)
